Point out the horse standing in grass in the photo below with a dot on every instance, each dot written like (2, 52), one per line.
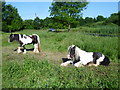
(25, 40)
(80, 58)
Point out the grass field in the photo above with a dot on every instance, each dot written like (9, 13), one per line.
(43, 70)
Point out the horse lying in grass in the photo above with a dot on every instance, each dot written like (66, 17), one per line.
(80, 58)
(25, 40)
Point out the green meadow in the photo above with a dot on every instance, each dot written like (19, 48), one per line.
(43, 70)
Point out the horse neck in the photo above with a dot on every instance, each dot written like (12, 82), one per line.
(16, 37)
(79, 51)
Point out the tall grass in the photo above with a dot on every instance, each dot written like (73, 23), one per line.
(99, 29)
(37, 71)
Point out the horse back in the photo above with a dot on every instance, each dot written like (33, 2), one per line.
(34, 39)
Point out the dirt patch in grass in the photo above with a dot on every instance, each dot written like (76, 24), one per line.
(11, 55)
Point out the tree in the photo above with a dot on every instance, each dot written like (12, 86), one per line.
(28, 24)
(100, 18)
(114, 18)
(46, 22)
(81, 21)
(89, 20)
(11, 21)
(67, 11)
(37, 23)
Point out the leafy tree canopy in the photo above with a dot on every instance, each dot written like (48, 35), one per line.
(100, 18)
(11, 21)
(69, 11)
(37, 23)
(114, 18)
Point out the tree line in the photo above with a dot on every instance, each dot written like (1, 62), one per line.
(64, 15)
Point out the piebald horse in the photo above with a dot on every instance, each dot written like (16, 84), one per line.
(25, 40)
(80, 58)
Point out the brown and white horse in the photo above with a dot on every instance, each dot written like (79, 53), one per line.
(25, 40)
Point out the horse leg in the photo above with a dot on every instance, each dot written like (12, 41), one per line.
(36, 48)
(78, 64)
(24, 50)
(66, 63)
(68, 56)
(92, 64)
(18, 50)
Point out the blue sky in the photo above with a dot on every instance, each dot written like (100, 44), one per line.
(100, 8)
(27, 10)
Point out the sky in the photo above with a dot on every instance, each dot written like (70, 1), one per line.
(29, 10)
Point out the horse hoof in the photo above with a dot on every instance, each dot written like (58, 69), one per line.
(24, 52)
(63, 65)
(36, 52)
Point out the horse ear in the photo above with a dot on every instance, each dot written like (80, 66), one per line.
(74, 46)
(11, 35)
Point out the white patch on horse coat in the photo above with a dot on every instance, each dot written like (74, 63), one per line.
(85, 57)
(25, 40)
(100, 60)
(24, 51)
(78, 64)
(66, 63)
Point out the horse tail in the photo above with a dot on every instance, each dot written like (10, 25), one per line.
(39, 47)
(38, 42)
(38, 39)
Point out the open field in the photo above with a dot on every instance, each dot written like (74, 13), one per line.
(43, 70)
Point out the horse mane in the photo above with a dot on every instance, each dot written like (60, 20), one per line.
(73, 52)
(78, 51)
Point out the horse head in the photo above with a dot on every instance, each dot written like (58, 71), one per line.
(72, 51)
(11, 37)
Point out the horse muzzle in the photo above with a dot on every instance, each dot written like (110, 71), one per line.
(72, 56)
(9, 41)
